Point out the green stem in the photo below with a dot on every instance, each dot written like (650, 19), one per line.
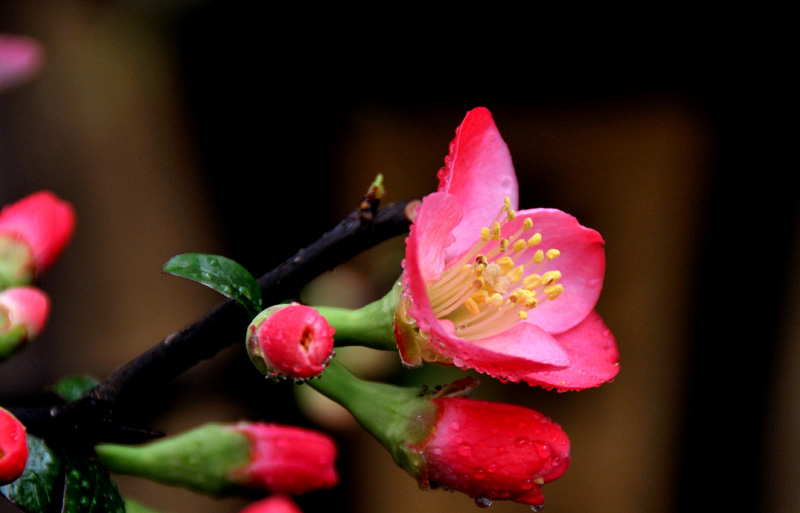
(399, 417)
(370, 326)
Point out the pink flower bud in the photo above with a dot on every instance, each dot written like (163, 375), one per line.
(43, 222)
(13, 447)
(292, 341)
(24, 306)
(273, 504)
(20, 58)
(287, 459)
(493, 451)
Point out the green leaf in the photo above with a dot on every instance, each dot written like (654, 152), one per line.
(224, 275)
(39, 486)
(88, 489)
(72, 388)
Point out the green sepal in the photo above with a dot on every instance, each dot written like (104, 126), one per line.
(38, 489)
(12, 339)
(222, 274)
(73, 388)
(89, 489)
(200, 459)
(132, 506)
(16, 263)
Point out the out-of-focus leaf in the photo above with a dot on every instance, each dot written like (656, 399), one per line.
(72, 388)
(224, 275)
(88, 489)
(39, 486)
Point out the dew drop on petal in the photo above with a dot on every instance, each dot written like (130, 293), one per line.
(483, 502)
(537, 508)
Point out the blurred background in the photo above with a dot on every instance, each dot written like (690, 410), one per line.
(211, 126)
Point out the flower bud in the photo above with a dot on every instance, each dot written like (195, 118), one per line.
(273, 504)
(33, 233)
(13, 447)
(23, 312)
(221, 458)
(493, 451)
(292, 341)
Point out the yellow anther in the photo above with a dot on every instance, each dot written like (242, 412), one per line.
(522, 315)
(503, 244)
(538, 257)
(511, 215)
(519, 245)
(535, 240)
(552, 253)
(550, 277)
(514, 297)
(465, 268)
(480, 296)
(479, 268)
(495, 231)
(495, 299)
(539, 481)
(485, 234)
(527, 224)
(515, 274)
(481, 259)
(471, 306)
(531, 303)
(554, 291)
(477, 284)
(532, 281)
(506, 203)
(505, 263)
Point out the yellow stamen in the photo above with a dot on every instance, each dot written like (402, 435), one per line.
(511, 215)
(538, 257)
(471, 306)
(505, 263)
(527, 224)
(550, 277)
(495, 231)
(535, 240)
(552, 253)
(554, 291)
(503, 245)
(522, 315)
(515, 274)
(485, 234)
(532, 281)
(520, 244)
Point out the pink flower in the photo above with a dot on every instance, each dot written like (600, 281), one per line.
(43, 223)
(23, 313)
(493, 451)
(13, 447)
(290, 341)
(510, 294)
(20, 58)
(273, 504)
(287, 459)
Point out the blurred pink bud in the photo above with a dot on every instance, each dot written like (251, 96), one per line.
(13, 447)
(44, 222)
(23, 313)
(20, 58)
(273, 504)
(287, 459)
(292, 341)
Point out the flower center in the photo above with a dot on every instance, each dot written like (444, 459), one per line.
(495, 283)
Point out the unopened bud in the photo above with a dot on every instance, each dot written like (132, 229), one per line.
(33, 233)
(273, 504)
(292, 341)
(13, 447)
(23, 313)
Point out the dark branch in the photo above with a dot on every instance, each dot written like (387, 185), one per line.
(361, 229)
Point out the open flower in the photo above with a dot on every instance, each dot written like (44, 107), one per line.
(508, 293)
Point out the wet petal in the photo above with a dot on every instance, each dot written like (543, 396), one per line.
(479, 172)
(432, 232)
(582, 264)
(593, 354)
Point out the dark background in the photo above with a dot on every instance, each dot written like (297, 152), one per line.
(217, 127)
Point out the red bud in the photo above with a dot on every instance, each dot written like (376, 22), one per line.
(13, 447)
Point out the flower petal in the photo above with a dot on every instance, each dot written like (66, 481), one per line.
(479, 172)
(520, 350)
(593, 353)
(582, 264)
(432, 232)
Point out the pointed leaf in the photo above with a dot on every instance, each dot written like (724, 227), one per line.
(224, 275)
(39, 487)
(88, 489)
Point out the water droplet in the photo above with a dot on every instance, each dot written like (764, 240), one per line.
(455, 426)
(537, 509)
(543, 450)
(483, 502)
(492, 467)
(479, 474)
(213, 262)
(458, 440)
(464, 450)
